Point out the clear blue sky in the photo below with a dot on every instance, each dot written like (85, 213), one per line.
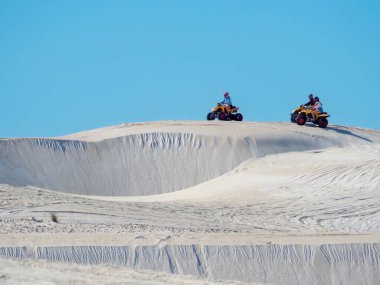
(67, 66)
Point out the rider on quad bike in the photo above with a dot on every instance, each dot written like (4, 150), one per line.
(310, 102)
(227, 103)
(316, 108)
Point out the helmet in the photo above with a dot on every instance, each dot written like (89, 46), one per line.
(316, 99)
(226, 95)
(310, 96)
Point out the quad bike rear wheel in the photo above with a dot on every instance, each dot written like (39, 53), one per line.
(301, 120)
(322, 123)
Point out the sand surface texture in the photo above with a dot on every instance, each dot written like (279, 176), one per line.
(218, 201)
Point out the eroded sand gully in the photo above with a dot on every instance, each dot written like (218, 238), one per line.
(295, 204)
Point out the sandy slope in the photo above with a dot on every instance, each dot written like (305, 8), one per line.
(221, 186)
(46, 272)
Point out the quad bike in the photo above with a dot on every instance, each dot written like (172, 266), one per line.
(220, 112)
(303, 114)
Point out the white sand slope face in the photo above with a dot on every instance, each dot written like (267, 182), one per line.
(133, 165)
(155, 158)
(273, 264)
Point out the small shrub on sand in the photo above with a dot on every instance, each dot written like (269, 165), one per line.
(54, 217)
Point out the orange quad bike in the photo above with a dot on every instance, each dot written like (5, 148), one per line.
(303, 114)
(220, 112)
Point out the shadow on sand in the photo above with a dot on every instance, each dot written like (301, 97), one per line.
(345, 132)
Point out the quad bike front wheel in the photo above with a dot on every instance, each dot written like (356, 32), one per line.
(210, 116)
(222, 116)
(301, 120)
(322, 123)
(293, 117)
(238, 117)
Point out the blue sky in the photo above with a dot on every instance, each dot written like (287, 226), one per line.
(67, 66)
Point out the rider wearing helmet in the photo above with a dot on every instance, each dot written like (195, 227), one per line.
(311, 101)
(227, 103)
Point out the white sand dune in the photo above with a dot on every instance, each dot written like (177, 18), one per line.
(255, 202)
(147, 159)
